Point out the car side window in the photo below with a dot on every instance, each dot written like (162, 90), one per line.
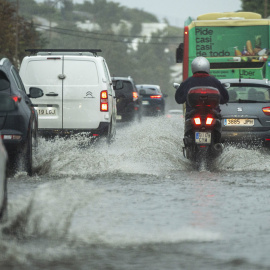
(4, 82)
(17, 79)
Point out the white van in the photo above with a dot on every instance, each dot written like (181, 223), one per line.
(78, 91)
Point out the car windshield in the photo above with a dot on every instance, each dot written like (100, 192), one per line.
(248, 93)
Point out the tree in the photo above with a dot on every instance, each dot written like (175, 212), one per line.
(258, 6)
(16, 34)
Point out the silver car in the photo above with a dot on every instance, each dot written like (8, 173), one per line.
(246, 117)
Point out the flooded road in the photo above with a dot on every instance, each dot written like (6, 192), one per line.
(138, 204)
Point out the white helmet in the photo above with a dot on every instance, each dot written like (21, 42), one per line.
(200, 64)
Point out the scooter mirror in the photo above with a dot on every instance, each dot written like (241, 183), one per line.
(176, 85)
(226, 85)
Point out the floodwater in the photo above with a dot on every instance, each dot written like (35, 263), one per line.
(138, 204)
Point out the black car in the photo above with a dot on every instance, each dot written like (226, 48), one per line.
(153, 100)
(18, 127)
(128, 100)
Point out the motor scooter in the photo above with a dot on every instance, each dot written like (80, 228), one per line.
(202, 136)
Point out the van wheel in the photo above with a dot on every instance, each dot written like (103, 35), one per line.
(3, 209)
(110, 135)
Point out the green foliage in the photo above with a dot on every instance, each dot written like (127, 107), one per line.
(15, 32)
(257, 6)
(148, 64)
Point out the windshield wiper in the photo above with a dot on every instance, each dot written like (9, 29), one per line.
(251, 101)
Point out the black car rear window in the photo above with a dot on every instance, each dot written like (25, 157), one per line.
(149, 90)
(127, 87)
(249, 93)
(4, 82)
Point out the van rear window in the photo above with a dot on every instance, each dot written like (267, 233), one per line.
(80, 73)
(47, 72)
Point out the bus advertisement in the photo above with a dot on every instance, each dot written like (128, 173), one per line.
(236, 45)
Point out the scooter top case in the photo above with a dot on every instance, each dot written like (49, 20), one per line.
(203, 97)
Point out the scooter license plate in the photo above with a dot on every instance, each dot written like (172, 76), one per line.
(203, 137)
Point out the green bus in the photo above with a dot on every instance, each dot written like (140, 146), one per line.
(235, 43)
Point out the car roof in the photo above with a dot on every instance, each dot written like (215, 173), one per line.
(180, 111)
(251, 81)
(89, 52)
(148, 85)
(5, 62)
(122, 78)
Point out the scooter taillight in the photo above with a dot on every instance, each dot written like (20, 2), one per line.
(197, 121)
(209, 121)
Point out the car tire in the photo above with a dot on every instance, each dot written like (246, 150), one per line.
(35, 136)
(138, 116)
(3, 209)
(28, 157)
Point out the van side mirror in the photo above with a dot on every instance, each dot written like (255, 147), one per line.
(180, 53)
(117, 85)
(7, 104)
(35, 92)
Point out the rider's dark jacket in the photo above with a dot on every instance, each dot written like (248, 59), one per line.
(200, 79)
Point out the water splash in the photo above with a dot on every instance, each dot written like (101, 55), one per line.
(150, 147)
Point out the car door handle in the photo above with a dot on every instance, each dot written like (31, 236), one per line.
(51, 94)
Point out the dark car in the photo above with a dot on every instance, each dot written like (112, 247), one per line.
(128, 100)
(246, 117)
(7, 104)
(18, 127)
(153, 100)
(3, 182)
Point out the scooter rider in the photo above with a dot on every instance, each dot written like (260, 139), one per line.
(200, 67)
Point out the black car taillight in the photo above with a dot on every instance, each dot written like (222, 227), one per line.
(135, 96)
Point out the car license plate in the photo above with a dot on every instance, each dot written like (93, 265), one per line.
(238, 122)
(118, 117)
(145, 102)
(203, 137)
(46, 111)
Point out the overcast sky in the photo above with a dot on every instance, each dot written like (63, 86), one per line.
(176, 11)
